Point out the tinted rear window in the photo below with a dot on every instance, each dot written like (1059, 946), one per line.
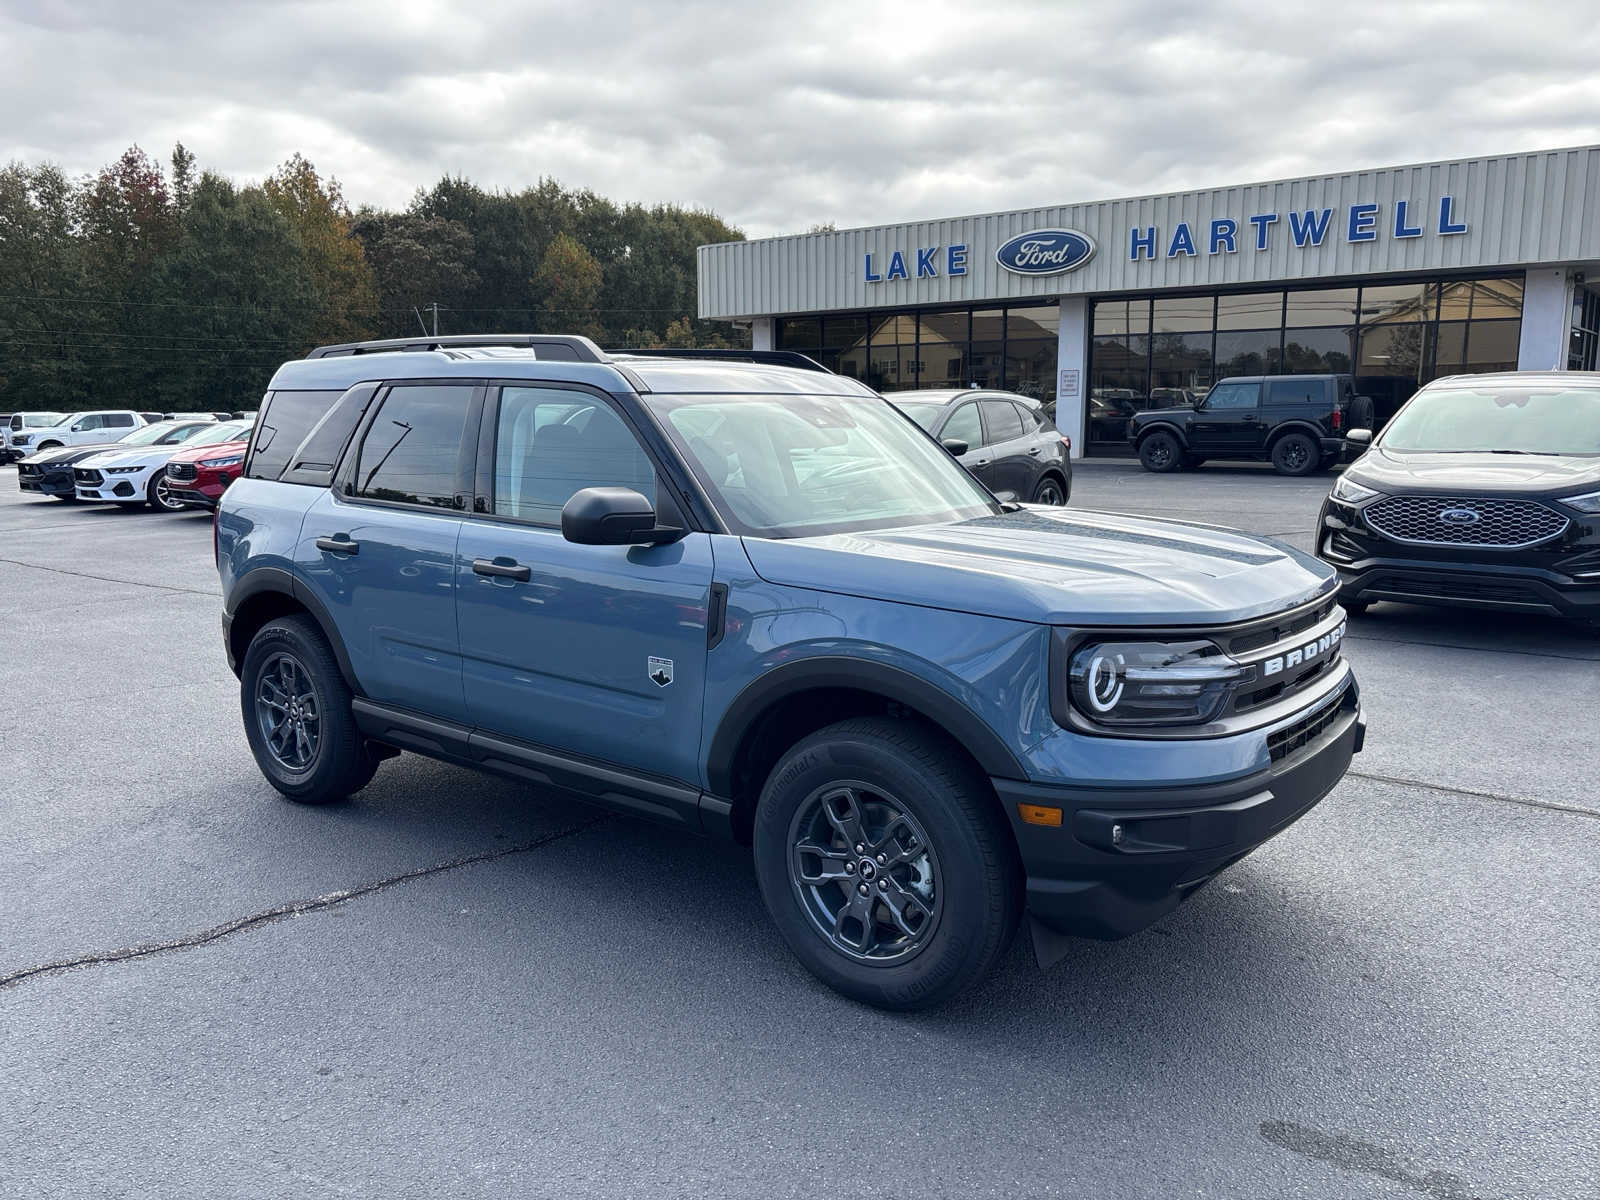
(286, 419)
(1296, 391)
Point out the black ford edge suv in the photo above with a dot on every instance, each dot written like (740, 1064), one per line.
(1483, 492)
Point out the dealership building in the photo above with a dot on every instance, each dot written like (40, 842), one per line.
(1396, 275)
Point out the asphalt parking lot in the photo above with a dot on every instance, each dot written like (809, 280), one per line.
(455, 985)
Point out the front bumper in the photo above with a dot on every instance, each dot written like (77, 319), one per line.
(1123, 858)
(50, 483)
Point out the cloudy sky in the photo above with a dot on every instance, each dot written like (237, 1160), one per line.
(779, 116)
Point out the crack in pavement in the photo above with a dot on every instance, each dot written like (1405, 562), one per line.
(1526, 802)
(284, 911)
(164, 587)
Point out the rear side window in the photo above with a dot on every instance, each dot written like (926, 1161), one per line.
(119, 420)
(1032, 418)
(551, 443)
(315, 459)
(1296, 391)
(412, 451)
(286, 418)
(1000, 421)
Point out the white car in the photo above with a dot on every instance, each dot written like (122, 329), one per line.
(24, 425)
(80, 429)
(138, 475)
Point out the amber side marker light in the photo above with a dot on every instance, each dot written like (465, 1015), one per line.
(1039, 814)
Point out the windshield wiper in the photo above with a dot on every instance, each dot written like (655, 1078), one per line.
(1544, 453)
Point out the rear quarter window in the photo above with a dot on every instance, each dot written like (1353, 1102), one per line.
(1296, 391)
(286, 419)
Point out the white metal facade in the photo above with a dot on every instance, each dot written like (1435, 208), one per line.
(1519, 209)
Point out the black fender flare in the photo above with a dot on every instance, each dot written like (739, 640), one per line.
(1296, 425)
(1163, 427)
(831, 671)
(260, 581)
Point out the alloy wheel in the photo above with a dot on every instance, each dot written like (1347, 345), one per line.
(164, 497)
(1295, 455)
(1049, 493)
(865, 873)
(287, 712)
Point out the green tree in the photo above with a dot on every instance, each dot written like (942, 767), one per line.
(416, 261)
(569, 282)
(347, 291)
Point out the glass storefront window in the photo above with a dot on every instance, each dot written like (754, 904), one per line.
(1323, 306)
(1121, 316)
(1180, 368)
(1319, 351)
(1399, 303)
(1250, 310)
(1118, 385)
(1042, 321)
(799, 333)
(1031, 367)
(1182, 314)
(942, 348)
(1492, 345)
(1248, 352)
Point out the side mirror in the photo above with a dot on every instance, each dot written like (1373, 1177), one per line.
(612, 516)
(1359, 437)
(955, 445)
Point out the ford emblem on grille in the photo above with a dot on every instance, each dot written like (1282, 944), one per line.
(1046, 252)
(1460, 516)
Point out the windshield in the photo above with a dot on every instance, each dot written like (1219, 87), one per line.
(148, 435)
(210, 435)
(795, 466)
(1510, 418)
(36, 420)
(926, 415)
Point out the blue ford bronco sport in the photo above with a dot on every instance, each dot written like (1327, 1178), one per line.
(750, 597)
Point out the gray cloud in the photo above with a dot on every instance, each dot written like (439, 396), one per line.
(779, 116)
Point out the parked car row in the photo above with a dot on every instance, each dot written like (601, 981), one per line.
(168, 465)
(25, 433)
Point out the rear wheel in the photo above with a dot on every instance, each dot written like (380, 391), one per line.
(1295, 454)
(1049, 491)
(297, 715)
(885, 864)
(1160, 452)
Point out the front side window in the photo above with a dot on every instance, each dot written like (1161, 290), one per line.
(93, 421)
(213, 434)
(1233, 396)
(797, 466)
(412, 451)
(1514, 419)
(1001, 422)
(964, 425)
(551, 443)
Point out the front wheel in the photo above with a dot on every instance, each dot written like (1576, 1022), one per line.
(1049, 491)
(297, 715)
(1295, 454)
(159, 494)
(885, 864)
(1160, 452)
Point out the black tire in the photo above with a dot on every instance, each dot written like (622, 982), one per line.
(1050, 490)
(159, 497)
(1191, 461)
(968, 862)
(1296, 454)
(339, 762)
(1161, 453)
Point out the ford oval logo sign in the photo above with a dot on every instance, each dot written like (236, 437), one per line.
(1046, 252)
(1460, 516)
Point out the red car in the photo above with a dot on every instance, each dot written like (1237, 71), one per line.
(200, 476)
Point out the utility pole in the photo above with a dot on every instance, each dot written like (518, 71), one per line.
(435, 307)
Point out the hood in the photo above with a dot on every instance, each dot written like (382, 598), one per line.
(196, 454)
(139, 456)
(70, 454)
(1056, 566)
(1419, 471)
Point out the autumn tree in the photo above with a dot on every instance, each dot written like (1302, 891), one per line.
(347, 293)
(569, 282)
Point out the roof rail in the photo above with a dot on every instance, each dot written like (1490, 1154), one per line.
(776, 358)
(561, 347)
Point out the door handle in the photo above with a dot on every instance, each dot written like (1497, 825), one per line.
(501, 568)
(340, 544)
(1034, 450)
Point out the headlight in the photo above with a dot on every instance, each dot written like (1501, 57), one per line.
(21, 439)
(1351, 492)
(122, 470)
(233, 460)
(1588, 503)
(1151, 683)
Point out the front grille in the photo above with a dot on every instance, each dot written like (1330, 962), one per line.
(87, 477)
(1308, 728)
(1274, 628)
(1282, 663)
(182, 472)
(1464, 521)
(1458, 587)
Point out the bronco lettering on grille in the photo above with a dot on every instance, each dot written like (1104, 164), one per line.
(1303, 654)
